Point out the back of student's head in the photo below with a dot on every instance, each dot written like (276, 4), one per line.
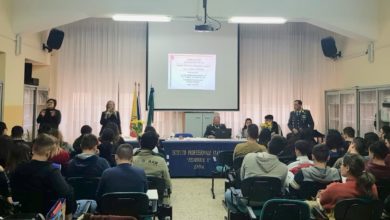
(88, 142)
(386, 129)
(149, 128)
(277, 145)
(17, 131)
(44, 144)
(370, 138)
(149, 140)
(107, 135)
(253, 131)
(85, 129)
(320, 153)
(349, 132)
(18, 154)
(364, 180)
(3, 127)
(264, 136)
(124, 152)
(379, 150)
(334, 140)
(359, 144)
(303, 147)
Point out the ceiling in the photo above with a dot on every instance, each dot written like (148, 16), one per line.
(352, 18)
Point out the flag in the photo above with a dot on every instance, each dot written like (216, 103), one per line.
(134, 114)
(151, 107)
(138, 103)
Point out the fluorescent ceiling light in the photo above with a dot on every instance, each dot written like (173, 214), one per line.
(258, 20)
(145, 18)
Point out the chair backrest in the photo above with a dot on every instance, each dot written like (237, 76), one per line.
(184, 135)
(158, 184)
(258, 190)
(383, 186)
(225, 158)
(83, 187)
(309, 189)
(237, 162)
(356, 208)
(281, 209)
(124, 204)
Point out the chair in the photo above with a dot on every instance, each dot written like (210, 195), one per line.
(237, 163)
(383, 187)
(308, 190)
(224, 163)
(255, 191)
(281, 209)
(158, 184)
(183, 135)
(84, 188)
(125, 204)
(356, 209)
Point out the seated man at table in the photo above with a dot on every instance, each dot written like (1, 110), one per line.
(153, 164)
(212, 128)
(251, 146)
(124, 177)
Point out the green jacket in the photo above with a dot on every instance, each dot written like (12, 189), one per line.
(153, 164)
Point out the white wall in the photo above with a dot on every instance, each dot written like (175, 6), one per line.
(12, 66)
(355, 18)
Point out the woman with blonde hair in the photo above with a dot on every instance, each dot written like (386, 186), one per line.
(110, 115)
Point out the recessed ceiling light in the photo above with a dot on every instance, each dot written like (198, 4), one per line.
(258, 20)
(144, 18)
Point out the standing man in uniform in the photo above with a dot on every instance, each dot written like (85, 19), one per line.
(300, 119)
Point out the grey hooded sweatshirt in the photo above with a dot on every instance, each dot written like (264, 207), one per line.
(316, 174)
(263, 164)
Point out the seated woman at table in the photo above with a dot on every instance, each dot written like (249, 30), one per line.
(359, 183)
(244, 130)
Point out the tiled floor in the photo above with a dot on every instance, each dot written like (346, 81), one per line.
(191, 199)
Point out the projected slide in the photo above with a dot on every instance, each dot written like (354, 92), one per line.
(191, 71)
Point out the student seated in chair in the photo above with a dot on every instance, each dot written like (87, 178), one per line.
(302, 150)
(40, 177)
(153, 164)
(251, 146)
(124, 177)
(359, 184)
(88, 163)
(377, 166)
(261, 164)
(355, 147)
(320, 172)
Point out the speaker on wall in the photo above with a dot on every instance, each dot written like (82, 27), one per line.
(54, 41)
(329, 48)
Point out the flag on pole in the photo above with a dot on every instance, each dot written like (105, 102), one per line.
(138, 103)
(134, 114)
(151, 107)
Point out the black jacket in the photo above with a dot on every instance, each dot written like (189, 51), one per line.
(115, 118)
(51, 120)
(300, 120)
(36, 184)
(211, 129)
(84, 165)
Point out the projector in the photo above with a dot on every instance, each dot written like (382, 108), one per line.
(204, 28)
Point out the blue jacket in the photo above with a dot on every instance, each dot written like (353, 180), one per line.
(122, 178)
